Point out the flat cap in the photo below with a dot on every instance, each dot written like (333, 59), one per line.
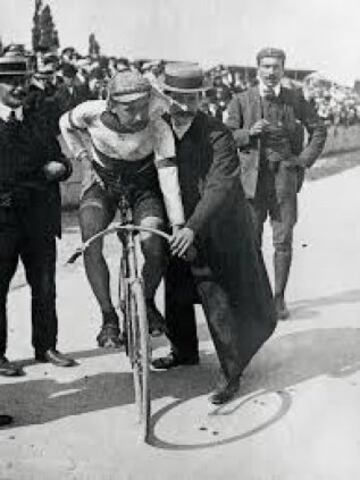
(270, 52)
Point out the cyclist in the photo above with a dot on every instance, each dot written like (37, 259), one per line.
(124, 151)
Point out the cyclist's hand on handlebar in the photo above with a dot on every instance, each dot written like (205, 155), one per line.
(181, 240)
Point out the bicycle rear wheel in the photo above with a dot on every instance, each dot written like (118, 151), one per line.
(140, 356)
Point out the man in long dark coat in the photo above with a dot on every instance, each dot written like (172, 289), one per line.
(228, 272)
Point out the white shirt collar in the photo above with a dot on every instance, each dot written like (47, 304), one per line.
(180, 130)
(5, 112)
(263, 89)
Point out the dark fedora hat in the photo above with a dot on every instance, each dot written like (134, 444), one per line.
(13, 66)
(184, 78)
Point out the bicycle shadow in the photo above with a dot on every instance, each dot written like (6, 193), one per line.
(284, 363)
(45, 400)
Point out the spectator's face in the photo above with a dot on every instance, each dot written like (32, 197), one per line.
(94, 85)
(69, 81)
(132, 115)
(191, 101)
(13, 90)
(69, 57)
(46, 80)
(271, 71)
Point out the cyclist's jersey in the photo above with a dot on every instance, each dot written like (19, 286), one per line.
(114, 154)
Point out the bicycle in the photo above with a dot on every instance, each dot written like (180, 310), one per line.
(133, 306)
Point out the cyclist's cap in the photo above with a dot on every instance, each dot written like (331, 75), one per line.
(128, 86)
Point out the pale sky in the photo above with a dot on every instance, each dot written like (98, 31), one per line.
(316, 34)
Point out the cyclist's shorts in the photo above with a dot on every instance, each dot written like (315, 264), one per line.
(145, 203)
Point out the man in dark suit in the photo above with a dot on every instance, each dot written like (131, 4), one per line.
(31, 165)
(71, 93)
(228, 271)
(266, 121)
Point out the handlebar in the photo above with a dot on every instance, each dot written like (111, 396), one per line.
(189, 256)
(108, 231)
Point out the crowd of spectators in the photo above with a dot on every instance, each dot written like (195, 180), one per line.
(88, 76)
(336, 104)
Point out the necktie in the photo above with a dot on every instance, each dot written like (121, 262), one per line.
(269, 93)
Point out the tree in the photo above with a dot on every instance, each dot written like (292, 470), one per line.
(36, 31)
(94, 47)
(44, 34)
(56, 42)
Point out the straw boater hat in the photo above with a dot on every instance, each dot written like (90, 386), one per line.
(184, 78)
(13, 66)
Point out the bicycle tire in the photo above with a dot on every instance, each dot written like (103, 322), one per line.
(140, 350)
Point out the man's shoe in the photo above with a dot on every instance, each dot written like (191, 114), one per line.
(282, 312)
(172, 360)
(157, 324)
(5, 420)
(55, 357)
(224, 392)
(110, 335)
(8, 369)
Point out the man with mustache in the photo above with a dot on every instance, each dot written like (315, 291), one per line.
(228, 271)
(31, 165)
(125, 152)
(267, 122)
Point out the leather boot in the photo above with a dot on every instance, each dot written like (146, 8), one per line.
(282, 263)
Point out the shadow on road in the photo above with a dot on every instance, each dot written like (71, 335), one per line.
(45, 400)
(282, 364)
(278, 368)
(306, 309)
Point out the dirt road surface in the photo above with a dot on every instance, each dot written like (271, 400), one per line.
(298, 413)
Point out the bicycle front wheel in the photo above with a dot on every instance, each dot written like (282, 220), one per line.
(140, 356)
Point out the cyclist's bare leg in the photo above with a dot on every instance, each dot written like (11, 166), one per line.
(153, 249)
(93, 219)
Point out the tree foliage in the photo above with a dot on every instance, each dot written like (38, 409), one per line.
(94, 47)
(36, 32)
(44, 34)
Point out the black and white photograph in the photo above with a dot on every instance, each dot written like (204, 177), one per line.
(179, 240)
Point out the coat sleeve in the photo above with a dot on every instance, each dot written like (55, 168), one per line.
(316, 129)
(235, 121)
(221, 180)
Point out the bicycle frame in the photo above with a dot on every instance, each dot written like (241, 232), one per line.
(133, 306)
